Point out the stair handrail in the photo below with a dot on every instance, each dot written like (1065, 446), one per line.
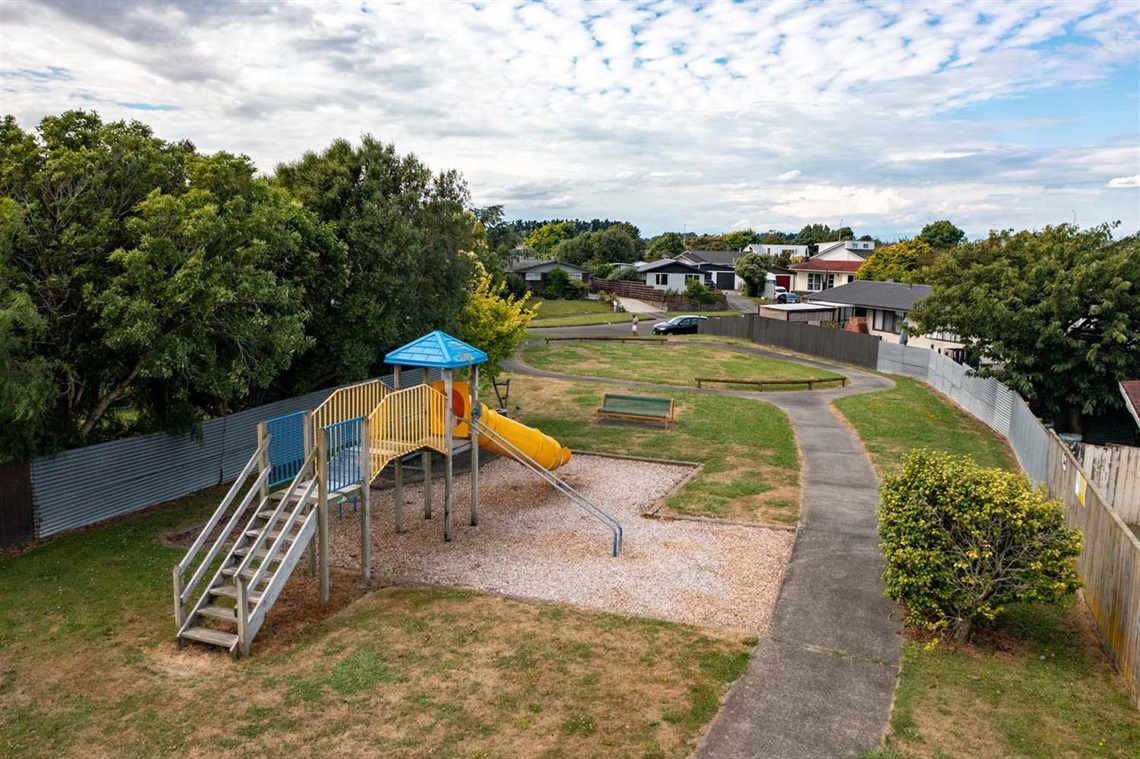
(272, 521)
(183, 590)
(557, 482)
(280, 539)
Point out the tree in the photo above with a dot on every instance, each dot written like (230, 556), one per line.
(493, 320)
(705, 242)
(898, 262)
(941, 235)
(667, 245)
(961, 541)
(1056, 310)
(546, 238)
(740, 239)
(406, 233)
(753, 269)
(557, 285)
(813, 234)
(633, 233)
(698, 294)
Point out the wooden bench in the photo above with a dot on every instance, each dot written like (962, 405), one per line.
(811, 382)
(640, 408)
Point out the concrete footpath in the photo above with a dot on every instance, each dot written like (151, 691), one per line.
(821, 681)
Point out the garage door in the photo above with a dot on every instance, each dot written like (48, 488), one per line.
(725, 280)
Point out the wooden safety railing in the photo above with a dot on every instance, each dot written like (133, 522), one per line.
(349, 403)
(811, 382)
(406, 421)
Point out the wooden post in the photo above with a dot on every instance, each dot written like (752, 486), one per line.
(179, 609)
(323, 514)
(365, 504)
(263, 460)
(425, 462)
(474, 400)
(398, 474)
(242, 610)
(449, 427)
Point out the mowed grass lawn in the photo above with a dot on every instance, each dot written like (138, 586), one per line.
(911, 415)
(1035, 684)
(674, 363)
(750, 463)
(607, 316)
(553, 309)
(88, 667)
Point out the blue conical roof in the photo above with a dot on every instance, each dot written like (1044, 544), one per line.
(437, 350)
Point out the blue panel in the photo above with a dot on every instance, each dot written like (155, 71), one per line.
(286, 447)
(343, 439)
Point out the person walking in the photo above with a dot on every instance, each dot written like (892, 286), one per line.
(635, 325)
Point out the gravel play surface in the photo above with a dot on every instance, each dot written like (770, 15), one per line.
(533, 542)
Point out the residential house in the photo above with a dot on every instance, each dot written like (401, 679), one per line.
(793, 252)
(534, 271)
(669, 274)
(833, 265)
(885, 306)
(1130, 389)
(719, 267)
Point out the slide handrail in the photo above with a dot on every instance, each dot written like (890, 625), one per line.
(554, 480)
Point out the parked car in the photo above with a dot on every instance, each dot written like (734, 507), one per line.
(787, 297)
(686, 324)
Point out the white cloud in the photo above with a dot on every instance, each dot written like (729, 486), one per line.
(666, 113)
(1124, 182)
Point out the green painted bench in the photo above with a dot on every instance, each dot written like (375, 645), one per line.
(637, 407)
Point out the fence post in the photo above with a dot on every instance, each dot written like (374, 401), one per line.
(323, 514)
(179, 609)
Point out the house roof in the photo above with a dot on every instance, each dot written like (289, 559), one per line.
(1130, 389)
(726, 257)
(670, 265)
(814, 265)
(525, 264)
(889, 296)
(437, 350)
(798, 307)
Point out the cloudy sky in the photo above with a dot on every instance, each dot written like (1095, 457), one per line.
(698, 116)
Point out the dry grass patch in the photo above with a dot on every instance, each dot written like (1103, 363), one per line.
(747, 448)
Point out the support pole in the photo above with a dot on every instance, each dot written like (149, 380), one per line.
(425, 463)
(474, 446)
(398, 485)
(449, 427)
(323, 514)
(365, 504)
(263, 459)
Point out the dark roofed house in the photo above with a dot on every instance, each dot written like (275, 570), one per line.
(669, 274)
(1130, 389)
(718, 266)
(534, 271)
(885, 305)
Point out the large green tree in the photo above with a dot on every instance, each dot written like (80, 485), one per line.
(739, 239)
(898, 262)
(547, 237)
(405, 231)
(1057, 311)
(941, 235)
(134, 271)
(753, 269)
(667, 245)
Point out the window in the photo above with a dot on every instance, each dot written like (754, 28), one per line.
(820, 280)
(692, 278)
(533, 276)
(661, 279)
(887, 321)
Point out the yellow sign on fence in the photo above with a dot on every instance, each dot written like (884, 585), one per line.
(1080, 487)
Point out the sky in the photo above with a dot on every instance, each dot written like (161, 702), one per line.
(675, 116)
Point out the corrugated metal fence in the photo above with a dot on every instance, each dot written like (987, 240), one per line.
(87, 485)
(834, 344)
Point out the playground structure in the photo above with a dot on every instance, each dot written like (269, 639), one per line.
(307, 460)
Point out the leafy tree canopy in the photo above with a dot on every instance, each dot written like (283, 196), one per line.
(740, 238)
(941, 235)
(493, 320)
(547, 237)
(1058, 310)
(753, 269)
(898, 262)
(611, 245)
(705, 242)
(667, 245)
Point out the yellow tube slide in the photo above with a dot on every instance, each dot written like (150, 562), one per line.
(542, 448)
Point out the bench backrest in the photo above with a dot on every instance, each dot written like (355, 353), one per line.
(636, 403)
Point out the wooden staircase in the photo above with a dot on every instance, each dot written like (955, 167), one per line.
(265, 545)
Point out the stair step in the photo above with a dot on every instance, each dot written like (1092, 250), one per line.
(260, 553)
(230, 591)
(247, 574)
(273, 534)
(224, 613)
(213, 637)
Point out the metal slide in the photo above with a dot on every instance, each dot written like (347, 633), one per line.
(494, 439)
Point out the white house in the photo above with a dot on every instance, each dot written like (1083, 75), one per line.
(668, 274)
(833, 265)
(885, 306)
(794, 252)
